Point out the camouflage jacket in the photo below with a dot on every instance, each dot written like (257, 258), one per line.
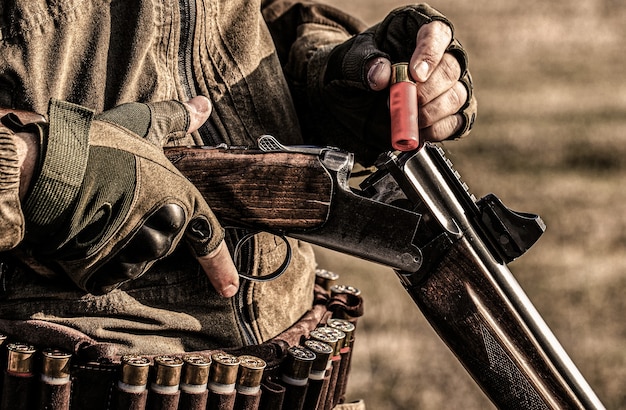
(251, 60)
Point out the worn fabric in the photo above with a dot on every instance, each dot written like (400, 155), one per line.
(100, 54)
(262, 66)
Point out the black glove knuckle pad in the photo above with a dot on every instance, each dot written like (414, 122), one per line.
(121, 206)
(152, 241)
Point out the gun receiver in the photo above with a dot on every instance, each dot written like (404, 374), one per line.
(305, 194)
(415, 215)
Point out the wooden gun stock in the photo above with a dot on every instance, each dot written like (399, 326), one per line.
(278, 191)
(303, 195)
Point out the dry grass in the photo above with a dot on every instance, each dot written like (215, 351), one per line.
(550, 140)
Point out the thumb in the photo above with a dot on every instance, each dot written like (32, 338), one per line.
(171, 120)
(199, 109)
(378, 73)
(221, 271)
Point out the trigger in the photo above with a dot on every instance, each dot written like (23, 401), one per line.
(271, 276)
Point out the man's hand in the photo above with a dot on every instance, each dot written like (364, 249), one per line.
(440, 93)
(102, 247)
(353, 100)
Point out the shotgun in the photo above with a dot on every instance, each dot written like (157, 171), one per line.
(415, 215)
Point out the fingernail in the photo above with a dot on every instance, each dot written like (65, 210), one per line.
(229, 291)
(374, 73)
(421, 70)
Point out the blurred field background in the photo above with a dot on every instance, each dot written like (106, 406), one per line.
(549, 139)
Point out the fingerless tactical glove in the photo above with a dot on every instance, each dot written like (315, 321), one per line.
(361, 116)
(106, 204)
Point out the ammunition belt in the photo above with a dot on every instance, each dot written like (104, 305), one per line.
(304, 368)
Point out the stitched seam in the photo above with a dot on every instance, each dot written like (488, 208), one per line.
(38, 19)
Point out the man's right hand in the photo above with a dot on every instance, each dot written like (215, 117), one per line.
(358, 71)
(441, 94)
(106, 216)
(218, 265)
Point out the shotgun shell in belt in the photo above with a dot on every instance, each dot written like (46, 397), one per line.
(346, 327)
(195, 373)
(167, 370)
(344, 289)
(338, 334)
(325, 278)
(350, 291)
(250, 374)
(297, 365)
(20, 358)
(55, 366)
(323, 354)
(135, 371)
(325, 337)
(403, 109)
(223, 375)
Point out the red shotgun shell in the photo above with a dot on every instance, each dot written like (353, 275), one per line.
(403, 109)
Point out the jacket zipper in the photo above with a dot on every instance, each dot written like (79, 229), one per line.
(244, 259)
(185, 65)
(209, 137)
(240, 303)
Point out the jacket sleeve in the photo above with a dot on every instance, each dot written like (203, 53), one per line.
(302, 28)
(305, 33)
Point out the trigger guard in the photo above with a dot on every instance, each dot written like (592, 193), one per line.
(271, 276)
